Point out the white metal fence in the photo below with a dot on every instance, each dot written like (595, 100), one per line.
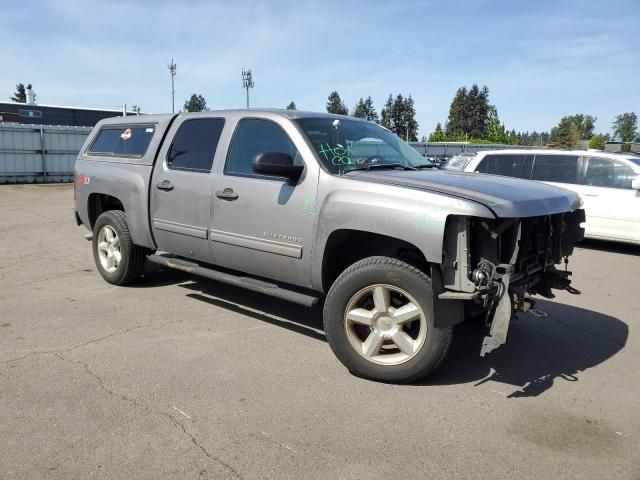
(39, 153)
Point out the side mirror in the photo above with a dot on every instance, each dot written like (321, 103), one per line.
(278, 164)
(635, 183)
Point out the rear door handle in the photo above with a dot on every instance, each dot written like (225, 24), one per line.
(227, 194)
(165, 185)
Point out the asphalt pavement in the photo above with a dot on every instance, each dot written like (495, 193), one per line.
(182, 377)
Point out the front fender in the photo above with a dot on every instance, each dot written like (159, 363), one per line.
(411, 215)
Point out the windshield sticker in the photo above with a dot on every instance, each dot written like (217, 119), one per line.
(126, 134)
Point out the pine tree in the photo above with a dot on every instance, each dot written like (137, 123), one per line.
(456, 123)
(494, 129)
(21, 94)
(292, 106)
(365, 109)
(196, 103)
(385, 114)
(336, 105)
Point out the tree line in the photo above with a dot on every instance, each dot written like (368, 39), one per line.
(471, 118)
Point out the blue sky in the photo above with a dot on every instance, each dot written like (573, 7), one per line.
(541, 60)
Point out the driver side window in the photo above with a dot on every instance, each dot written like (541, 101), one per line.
(252, 137)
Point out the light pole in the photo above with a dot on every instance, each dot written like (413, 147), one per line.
(247, 82)
(172, 68)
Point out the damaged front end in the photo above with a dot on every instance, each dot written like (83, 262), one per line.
(497, 265)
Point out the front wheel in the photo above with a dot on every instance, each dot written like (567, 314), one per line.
(378, 321)
(119, 261)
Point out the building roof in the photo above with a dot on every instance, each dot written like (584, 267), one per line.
(67, 107)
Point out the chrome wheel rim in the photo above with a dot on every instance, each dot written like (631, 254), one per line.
(385, 325)
(109, 249)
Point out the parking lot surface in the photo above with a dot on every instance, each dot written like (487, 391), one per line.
(182, 377)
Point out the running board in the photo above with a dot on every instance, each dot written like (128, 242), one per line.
(249, 283)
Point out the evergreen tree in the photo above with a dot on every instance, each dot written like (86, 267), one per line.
(336, 105)
(196, 103)
(566, 133)
(292, 106)
(21, 94)
(409, 118)
(385, 114)
(365, 109)
(494, 130)
(456, 123)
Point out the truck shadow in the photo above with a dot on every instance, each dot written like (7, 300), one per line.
(539, 352)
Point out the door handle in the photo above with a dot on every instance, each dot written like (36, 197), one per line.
(165, 185)
(591, 195)
(227, 194)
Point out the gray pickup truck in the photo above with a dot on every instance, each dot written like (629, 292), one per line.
(313, 207)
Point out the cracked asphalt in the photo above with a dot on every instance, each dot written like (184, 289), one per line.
(180, 377)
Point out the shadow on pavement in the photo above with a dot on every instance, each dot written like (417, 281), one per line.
(612, 247)
(539, 350)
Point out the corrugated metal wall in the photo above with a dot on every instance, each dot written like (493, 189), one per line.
(39, 153)
(47, 153)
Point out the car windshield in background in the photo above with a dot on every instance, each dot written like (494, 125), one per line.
(346, 145)
(635, 160)
(457, 162)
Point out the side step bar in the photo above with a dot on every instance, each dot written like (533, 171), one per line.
(239, 281)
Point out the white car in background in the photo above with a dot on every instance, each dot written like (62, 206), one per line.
(609, 183)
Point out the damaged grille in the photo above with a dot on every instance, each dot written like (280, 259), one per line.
(532, 245)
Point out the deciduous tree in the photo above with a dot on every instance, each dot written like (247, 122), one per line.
(625, 126)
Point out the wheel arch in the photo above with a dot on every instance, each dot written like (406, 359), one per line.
(346, 246)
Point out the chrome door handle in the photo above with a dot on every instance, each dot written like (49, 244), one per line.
(227, 194)
(165, 185)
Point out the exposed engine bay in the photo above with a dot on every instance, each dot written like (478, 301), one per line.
(498, 265)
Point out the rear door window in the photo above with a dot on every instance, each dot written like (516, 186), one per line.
(509, 165)
(555, 168)
(605, 172)
(123, 141)
(194, 145)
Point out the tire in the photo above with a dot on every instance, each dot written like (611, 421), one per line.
(128, 268)
(364, 339)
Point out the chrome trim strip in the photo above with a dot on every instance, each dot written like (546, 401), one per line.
(173, 227)
(261, 244)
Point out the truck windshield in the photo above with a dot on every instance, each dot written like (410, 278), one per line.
(344, 145)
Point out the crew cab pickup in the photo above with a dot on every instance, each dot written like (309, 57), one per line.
(312, 207)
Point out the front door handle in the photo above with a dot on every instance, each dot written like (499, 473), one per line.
(227, 194)
(165, 185)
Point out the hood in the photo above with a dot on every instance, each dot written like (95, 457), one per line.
(507, 197)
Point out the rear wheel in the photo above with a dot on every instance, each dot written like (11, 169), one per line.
(378, 321)
(119, 261)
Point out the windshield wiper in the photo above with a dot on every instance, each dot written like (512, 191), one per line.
(426, 165)
(380, 166)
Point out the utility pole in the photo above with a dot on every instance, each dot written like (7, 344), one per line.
(172, 68)
(247, 82)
